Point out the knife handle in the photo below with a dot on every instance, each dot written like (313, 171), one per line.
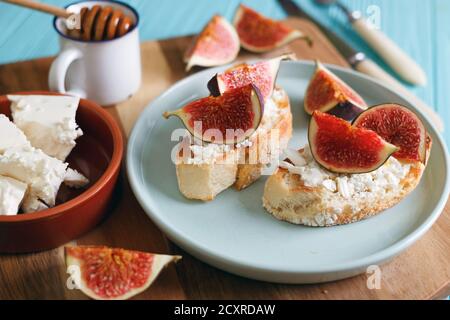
(370, 68)
(397, 59)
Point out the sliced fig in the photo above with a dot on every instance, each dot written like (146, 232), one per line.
(328, 93)
(227, 119)
(104, 273)
(262, 74)
(217, 44)
(397, 125)
(258, 33)
(341, 148)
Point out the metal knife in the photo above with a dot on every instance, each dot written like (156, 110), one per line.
(361, 63)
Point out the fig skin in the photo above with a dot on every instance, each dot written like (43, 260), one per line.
(208, 50)
(217, 104)
(262, 74)
(346, 110)
(404, 125)
(326, 92)
(349, 142)
(213, 86)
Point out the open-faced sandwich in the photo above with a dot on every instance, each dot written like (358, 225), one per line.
(348, 171)
(235, 133)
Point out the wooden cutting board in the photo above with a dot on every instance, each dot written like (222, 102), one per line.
(422, 272)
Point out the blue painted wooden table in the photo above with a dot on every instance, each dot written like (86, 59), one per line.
(420, 27)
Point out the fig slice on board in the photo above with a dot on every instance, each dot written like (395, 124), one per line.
(226, 119)
(341, 148)
(262, 74)
(397, 125)
(105, 273)
(328, 93)
(258, 33)
(217, 44)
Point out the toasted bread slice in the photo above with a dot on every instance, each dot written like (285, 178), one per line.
(316, 197)
(207, 170)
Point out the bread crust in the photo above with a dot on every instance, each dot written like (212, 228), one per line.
(204, 181)
(249, 173)
(287, 198)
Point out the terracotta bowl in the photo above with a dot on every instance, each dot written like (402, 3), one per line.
(97, 155)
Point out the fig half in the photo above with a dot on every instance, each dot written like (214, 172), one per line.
(328, 93)
(227, 119)
(258, 33)
(262, 74)
(341, 148)
(217, 44)
(104, 273)
(398, 125)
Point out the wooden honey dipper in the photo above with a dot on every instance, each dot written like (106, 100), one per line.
(97, 23)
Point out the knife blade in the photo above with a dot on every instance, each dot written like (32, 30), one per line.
(361, 63)
(293, 9)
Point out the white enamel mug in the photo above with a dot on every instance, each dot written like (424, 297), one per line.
(106, 71)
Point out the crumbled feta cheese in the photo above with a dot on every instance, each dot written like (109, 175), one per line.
(42, 173)
(10, 135)
(329, 184)
(353, 187)
(343, 187)
(244, 144)
(12, 192)
(32, 204)
(48, 122)
(295, 157)
(74, 179)
(291, 167)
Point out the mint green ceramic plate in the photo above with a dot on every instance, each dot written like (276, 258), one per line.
(234, 233)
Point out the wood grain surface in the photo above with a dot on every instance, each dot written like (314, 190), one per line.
(422, 272)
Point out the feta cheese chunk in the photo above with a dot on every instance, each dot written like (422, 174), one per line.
(48, 122)
(12, 192)
(74, 179)
(42, 174)
(32, 204)
(10, 135)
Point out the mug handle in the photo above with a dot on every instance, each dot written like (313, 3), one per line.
(58, 71)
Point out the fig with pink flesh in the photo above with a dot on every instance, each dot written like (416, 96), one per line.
(398, 125)
(262, 74)
(227, 119)
(258, 33)
(328, 93)
(341, 148)
(217, 44)
(104, 273)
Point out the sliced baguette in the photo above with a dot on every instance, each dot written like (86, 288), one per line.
(239, 165)
(287, 197)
